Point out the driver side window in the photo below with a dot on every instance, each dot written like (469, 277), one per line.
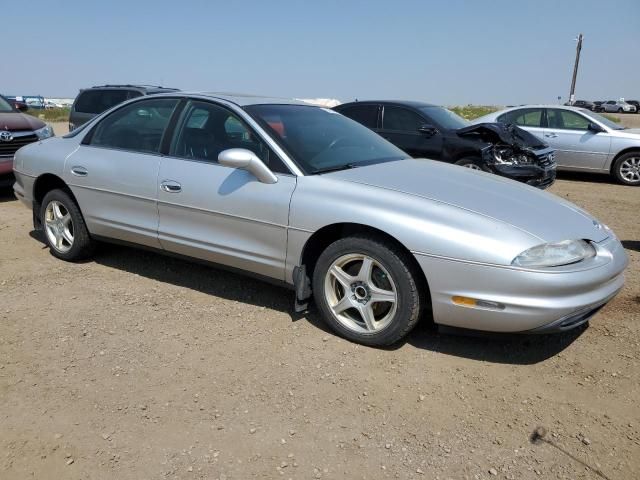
(401, 119)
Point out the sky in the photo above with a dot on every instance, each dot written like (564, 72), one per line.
(448, 52)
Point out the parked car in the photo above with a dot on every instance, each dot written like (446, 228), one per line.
(618, 106)
(430, 131)
(635, 103)
(95, 100)
(597, 105)
(16, 130)
(309, 198)
(583, 140)
(582, 104)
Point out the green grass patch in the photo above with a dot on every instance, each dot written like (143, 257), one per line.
(51, 114)
(611, 117)
(471, 112)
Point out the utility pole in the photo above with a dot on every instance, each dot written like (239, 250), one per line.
(575, 71)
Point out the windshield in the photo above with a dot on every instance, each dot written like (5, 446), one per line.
(319, 139)
(444, 118)
(5, 106)
(605, 121)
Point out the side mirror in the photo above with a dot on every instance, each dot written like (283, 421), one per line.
(247, 160)
(595, 128)
(428, 130)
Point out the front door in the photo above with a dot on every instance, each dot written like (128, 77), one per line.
(114, 173)
(577, 147)
(401, 127)
(217, 213)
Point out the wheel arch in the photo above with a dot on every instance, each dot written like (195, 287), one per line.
(619, 154)
(43, 185)
(328, 234)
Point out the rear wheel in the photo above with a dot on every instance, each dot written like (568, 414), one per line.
(367, 290)
(65, 232)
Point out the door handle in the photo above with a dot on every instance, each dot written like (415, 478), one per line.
(79, 171)
(170, 186)
(551, 135)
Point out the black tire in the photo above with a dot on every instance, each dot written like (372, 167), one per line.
(620, 110)
(409, 294)
(616, 170)
(82, 245)
(473, 163)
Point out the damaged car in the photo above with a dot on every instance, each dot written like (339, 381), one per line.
(429, 131)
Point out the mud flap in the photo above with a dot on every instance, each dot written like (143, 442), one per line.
(302, 286)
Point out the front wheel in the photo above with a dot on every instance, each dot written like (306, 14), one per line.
(626, 169)
(367, 290)
(65, 232)
(473, 164)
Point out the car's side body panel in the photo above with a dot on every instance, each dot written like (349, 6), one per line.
(225, 215)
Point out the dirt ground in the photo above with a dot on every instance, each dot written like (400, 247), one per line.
(138, 366)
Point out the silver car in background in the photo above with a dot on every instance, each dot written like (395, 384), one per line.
(306, 197)
(617, 106)
(583, 140)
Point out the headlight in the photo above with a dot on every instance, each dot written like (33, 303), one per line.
(555, 254)
(44, 132)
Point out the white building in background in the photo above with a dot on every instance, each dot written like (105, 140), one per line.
(321, 102)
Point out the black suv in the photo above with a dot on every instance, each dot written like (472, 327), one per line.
(430, 131)
(95, 100)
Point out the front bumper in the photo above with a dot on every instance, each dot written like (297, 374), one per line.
(533, 301)
(534, 175)
(6, 172)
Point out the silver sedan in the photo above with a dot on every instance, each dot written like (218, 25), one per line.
(583, 140)
(306, 197)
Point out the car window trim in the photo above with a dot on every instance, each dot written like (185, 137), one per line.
(570, 129)
(406, 132)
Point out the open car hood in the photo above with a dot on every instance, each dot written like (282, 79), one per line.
(503, 133)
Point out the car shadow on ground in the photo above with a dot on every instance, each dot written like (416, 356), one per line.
(6, 195)
(631, 245)
(585, 177)
(233, 286)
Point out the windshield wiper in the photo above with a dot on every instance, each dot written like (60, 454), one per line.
(336, 168)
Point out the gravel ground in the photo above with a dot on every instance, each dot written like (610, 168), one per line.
(138, 366)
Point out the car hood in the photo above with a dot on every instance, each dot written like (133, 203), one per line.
(16, 122)
(538, 213)
(502, 133)
(627, 133)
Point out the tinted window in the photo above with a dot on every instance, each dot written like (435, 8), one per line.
(98, 101)
(396, 118)
(208, 129)
(530, 117)
(320, 139)
(443, 118)
(566, 119)
(367, 115)
(137, 127)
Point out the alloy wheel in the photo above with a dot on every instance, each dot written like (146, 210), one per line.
(58, 226)
(472, 166)
(361, 293)
(630, 169)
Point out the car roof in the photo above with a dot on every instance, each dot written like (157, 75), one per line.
(245, 99)
(404, 103)
(146, 88)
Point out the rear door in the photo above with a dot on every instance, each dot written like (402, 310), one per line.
(114, 172)
(221, 214)
(401, 126)
(577, 147)
(530, 119)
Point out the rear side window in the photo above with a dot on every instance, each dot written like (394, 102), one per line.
(396, 118)
(137, 127)
(367, 115)
(98, 101)
(530, 117)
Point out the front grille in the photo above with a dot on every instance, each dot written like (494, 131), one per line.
(546, 160)
(7, 149)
